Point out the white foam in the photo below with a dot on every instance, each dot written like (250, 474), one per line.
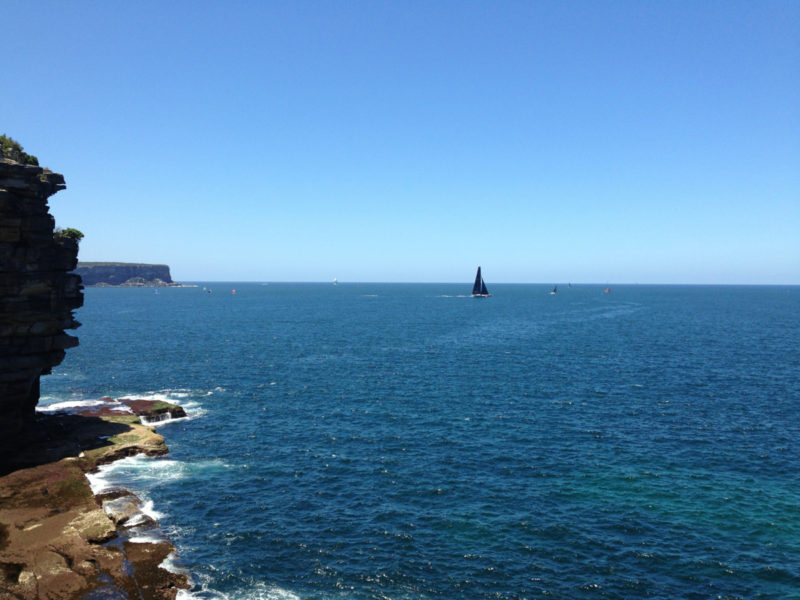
(147, 509)
(149, 536)
(172, 565)
(169, 564)
(160, 420)
(163, 396)
(179, 396)
(97, 483)
(136, 520)
(68, 405)
(258, 591)
(139, 470)
(171, 395)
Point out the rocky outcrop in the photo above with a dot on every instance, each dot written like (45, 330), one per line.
(37, 291)
(111, 273)
(60, 541)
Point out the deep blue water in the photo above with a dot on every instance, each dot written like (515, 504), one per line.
(393, 441)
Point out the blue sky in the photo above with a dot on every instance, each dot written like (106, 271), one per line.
(651, 142)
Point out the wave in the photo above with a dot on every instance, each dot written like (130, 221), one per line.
(255, 591)
(186, 398)
(140, 472)
(147, 536)
(73, 405)
(167, 395)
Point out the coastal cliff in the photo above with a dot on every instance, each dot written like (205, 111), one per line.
(37, 291)
(58, 540)
(116, 273)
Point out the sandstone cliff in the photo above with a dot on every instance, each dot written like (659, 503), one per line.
(37, 291)
(116, 273)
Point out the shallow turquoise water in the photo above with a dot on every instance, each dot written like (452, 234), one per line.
(405, 441)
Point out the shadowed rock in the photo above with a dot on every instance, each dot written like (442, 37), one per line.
(37, 291)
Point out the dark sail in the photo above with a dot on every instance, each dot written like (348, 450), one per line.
(476, 288)
(479, 287)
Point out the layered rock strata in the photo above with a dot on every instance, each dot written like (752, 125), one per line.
(37, 291)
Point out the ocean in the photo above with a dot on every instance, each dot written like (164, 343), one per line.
(406, 441)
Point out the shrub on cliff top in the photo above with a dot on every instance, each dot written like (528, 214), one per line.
(11, 148)
(69, 232)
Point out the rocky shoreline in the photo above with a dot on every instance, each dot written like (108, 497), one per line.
(60, 541)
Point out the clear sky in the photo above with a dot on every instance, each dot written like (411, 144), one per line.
(651, 142)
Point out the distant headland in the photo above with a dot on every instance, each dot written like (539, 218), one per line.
(124, 274)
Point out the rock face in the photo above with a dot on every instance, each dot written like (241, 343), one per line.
(111, 273)
(58, 541)
(37, 291)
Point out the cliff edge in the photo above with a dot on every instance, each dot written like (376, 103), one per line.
(37, 291)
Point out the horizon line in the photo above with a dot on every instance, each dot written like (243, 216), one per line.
(544, 283)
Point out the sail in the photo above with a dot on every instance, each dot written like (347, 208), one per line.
(476, 288)
(479, 287)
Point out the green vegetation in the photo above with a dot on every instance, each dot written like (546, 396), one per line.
(161, 405)
(126, 419)
(11, 148)
(73, 487)
(69, 232)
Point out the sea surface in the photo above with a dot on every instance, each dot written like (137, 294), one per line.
(404, 441)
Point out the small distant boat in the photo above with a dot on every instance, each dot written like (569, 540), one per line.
(555, 291)
(607, 290)
(335, 281)
(479, 287)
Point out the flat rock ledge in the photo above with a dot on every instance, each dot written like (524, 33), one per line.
(58, 541)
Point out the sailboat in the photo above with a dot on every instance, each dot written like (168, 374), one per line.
(479, 288)
(555, 291)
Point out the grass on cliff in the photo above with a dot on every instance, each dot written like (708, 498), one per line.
(11, 148)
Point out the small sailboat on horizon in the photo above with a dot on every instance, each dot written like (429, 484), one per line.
(479, 287)
(555, 291)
